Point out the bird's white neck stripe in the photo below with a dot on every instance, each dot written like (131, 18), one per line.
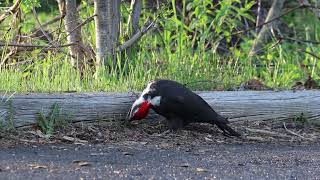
(155, 101)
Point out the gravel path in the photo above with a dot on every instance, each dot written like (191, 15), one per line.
(134, 160)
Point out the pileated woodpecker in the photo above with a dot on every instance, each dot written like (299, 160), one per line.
(179, 105)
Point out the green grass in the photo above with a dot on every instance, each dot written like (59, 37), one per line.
(48, 123)
(170, 54)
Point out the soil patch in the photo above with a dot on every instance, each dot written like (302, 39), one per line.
(157, 134)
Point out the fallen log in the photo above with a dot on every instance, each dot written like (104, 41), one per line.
(24, 109)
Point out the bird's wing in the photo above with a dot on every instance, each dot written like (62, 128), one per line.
(181, 106)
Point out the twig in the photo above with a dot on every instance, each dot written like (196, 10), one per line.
(293, 133)
(271, 47)
(37, 46)
(271, 133)
(256, 138)
(57, 18)
(136, 37)
(258, 16)
(300, 40)
(89, 19)
(134, 17)
(271, 20)
(310, 53)
(13, 9)
(40, 26)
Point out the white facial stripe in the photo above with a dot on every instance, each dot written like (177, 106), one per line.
(139, 101)
(155, 101)
(147, 89)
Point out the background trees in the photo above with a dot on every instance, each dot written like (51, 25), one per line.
(46, 44)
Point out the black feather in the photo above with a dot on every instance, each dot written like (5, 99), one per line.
(178, 102)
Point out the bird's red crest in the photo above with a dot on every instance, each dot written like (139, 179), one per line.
(142, 112)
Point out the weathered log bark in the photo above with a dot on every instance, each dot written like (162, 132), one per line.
(23, 110)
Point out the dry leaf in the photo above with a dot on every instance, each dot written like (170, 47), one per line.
(127, 154)
(143, 143)
(81, 163)
(40, 134)
(310, 83)
(201, 170)
(68, 138)
(184, 165)
(255, 138)
(96, 154)
(253, 84)
(38, 166)
(76, 140)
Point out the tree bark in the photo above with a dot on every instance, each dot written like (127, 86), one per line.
(107, 21)
(266, 32)
(134, 18)
(23, 110)
(69, 9)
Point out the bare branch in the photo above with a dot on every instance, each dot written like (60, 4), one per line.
(136, 37)
(89, 19)
(310, 53)
(300, 40)
(13, 9)
(266, 32)
(293, 133)
(37, 46)
(271, 20)
(57, 18)
(258, 16)
(40, 26)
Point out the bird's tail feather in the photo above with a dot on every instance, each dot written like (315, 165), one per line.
(222, 124)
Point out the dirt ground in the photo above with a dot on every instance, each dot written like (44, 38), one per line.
(157, 134)
(116, 150)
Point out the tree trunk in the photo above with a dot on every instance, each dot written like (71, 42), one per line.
(266, 32)
(134, 18)
(107, 21)
(23, 110)
(69, 9)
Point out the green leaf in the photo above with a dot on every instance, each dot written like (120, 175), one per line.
(27, 5)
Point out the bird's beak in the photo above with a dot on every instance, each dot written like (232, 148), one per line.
(134, 108)
(130, 115)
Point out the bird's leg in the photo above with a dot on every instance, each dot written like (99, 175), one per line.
(175, 123)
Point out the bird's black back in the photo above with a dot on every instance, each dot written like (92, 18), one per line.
(178, 101)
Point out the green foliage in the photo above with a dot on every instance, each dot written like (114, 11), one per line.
(184, 48)
(27, 5)
(300, 119)
(7, 115)
(49, 123)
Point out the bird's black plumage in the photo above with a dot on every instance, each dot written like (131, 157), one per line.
(181, 106)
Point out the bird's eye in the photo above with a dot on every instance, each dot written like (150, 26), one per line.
(145, 96)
